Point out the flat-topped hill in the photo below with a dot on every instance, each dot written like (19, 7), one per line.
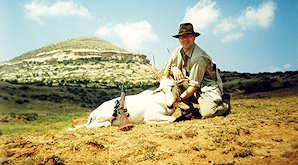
(80, 61)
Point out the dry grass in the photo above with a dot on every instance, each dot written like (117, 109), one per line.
(262, 129)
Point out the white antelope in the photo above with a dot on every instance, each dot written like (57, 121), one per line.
(151, 107)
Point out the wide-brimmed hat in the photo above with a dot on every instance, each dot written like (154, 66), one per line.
(186, 28)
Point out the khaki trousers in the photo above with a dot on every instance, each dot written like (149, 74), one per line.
(210, 108)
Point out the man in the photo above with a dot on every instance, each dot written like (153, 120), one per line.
(205, 85)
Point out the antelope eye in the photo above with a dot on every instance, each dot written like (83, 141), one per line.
(172, 89)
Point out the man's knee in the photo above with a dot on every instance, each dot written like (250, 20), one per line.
(210, 109)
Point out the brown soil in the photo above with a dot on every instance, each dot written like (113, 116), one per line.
(262, 129)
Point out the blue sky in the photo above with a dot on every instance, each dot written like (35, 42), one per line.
(244, 36)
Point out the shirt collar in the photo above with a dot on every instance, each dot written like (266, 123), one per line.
(190, 51)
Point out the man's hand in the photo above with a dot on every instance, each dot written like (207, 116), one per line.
(177, 73)
(187, 93)
(179, 99)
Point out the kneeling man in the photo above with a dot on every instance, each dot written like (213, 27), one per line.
(205, 85)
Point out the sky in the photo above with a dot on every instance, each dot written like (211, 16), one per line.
(249, 36)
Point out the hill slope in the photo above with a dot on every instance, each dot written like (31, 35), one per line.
(260, 130)
(94, 44)
(80, 61)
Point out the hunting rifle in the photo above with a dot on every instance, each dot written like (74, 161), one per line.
(125, 124)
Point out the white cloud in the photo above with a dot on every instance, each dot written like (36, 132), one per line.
(202, 15)
(287, 66)
(274, 69)
(232, 37)
(37, 9)
(251, 18)
(225, 25)
(103, 31)
(206, 13)
(133, 35)
(277, 69)
(261, 16)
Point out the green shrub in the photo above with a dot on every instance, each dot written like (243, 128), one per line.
(19, 101)
(31, 116)
(24, 87)
(257, 86)
(287, 84)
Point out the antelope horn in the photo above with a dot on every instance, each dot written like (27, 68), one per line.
(167, 72)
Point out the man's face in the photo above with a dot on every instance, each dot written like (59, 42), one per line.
(187, 40)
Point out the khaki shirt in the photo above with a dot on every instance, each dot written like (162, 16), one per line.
(198, 67)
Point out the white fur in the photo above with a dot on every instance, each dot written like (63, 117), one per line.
(149, 106)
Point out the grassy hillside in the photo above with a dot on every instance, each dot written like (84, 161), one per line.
(31, 104)
(245, 83)
(89, 71)
(80, 61)
(24, 107)
(262, 129)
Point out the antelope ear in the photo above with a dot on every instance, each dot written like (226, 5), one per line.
(156, 90)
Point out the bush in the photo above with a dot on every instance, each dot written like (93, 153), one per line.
(25, 87)
(262, 85)
(24, 95)
(287, 84)
(12, 81)
(19, 101)
(31, 116)
(39, 83)
(55, 97)
(40, 97)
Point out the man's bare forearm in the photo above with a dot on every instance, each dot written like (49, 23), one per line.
(188, 92)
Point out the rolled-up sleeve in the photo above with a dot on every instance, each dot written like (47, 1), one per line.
(197, 72)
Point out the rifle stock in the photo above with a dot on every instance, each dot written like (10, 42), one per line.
(125, 124)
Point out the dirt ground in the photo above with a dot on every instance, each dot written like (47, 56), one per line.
(262, 129)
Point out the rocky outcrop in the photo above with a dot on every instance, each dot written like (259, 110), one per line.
(80, 61)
